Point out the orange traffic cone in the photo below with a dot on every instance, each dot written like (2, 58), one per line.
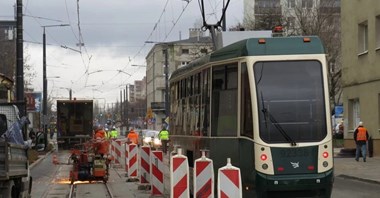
(55, 160)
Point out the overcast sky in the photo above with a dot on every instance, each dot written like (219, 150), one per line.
(114, 34)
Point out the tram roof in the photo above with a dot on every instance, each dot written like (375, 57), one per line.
(252, 47)
(272, 46)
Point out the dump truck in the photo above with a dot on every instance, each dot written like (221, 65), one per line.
(74, 122)
(15, 179)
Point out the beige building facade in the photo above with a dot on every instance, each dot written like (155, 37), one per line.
(361, 69)
(179, 53)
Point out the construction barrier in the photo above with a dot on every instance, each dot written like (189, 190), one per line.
(117, 153)
(179, 174)
(203, 177)
(229, 181)
(157, 173)
(132, 160)
(126, 150)
(145, 165)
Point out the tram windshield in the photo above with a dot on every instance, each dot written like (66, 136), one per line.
(290, 101)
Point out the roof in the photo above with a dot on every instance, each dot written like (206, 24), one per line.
(252, 47)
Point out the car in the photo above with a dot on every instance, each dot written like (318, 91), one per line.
(150, 137)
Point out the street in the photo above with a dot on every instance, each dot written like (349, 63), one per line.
(49, 181)
(351, 188)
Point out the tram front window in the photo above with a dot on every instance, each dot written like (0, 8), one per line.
(290, 101)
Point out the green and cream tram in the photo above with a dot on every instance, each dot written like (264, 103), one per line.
(263, 103)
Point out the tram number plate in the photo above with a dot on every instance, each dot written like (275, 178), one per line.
(294, 153)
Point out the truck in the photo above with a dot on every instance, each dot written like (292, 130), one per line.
(15, 179)
(74, 122)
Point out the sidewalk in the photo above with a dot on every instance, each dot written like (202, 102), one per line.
(347, 167)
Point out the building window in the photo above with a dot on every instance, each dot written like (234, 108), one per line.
(185, 51)
(183, 63)
(291, 22)
(291, 3)
(354, 113)
(204, 51)
(307, 3)
(363, 37)
(377, 32)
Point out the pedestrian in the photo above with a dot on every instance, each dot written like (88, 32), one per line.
(164, 137)
(361, 137)
(133, 137)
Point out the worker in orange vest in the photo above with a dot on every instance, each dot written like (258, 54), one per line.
(101, 143)
(361, 138)
(133, 137)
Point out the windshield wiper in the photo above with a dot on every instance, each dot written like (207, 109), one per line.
(275, 123)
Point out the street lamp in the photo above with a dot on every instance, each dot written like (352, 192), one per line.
(68, 89)
(44, 108)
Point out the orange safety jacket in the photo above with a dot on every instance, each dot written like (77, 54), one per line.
(362, 134)
(133, 137)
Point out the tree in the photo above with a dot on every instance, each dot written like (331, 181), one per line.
(306, 18)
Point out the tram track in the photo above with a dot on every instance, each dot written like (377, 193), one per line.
(76, 190)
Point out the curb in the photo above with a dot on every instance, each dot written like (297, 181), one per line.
(40, 159)
(358, 179)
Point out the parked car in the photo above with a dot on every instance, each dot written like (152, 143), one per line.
(150, 137)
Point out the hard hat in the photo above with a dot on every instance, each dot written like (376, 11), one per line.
(360, 123)
(114, 128)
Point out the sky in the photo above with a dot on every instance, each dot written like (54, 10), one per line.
(113, 33)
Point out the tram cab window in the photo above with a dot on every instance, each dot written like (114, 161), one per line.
(224, 100)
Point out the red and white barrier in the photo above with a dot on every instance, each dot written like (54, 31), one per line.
(157, 173)
(126, 151)
(145, 165)
(229, 181)
(118, 149)
(132, 160)
(203, 177)
(179, 174)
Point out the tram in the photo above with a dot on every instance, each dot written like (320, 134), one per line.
(264, 103)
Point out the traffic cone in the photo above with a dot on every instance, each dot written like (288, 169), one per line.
(55, 160)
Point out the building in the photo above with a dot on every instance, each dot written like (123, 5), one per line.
(7, 57)
(361, 73)
(179, 53)
(291, 14)
(136, 108)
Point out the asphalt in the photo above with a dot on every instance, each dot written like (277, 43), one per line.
(345, 167)
(348, 167)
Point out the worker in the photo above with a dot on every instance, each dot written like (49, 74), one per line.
(101, 143)
(133, 137)
(114, 133)
(164, 137)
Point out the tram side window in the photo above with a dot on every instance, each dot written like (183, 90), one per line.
(246, 107)
(224, 100)
(205, 111)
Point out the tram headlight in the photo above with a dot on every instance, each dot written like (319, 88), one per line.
(325, 164)
(264, 166)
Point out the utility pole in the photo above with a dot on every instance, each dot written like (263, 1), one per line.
(166, 71)
(19, 55)
(44, 85)
(126, 105)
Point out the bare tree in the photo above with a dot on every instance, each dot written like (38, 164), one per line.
(307, 18)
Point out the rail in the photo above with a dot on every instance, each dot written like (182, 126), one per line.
(74, 190)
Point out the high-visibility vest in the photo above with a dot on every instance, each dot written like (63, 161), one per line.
(164, 135)
(133, 137)
(362, 134)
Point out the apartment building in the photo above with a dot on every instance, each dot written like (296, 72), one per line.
(179, 53)
(361, 73)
